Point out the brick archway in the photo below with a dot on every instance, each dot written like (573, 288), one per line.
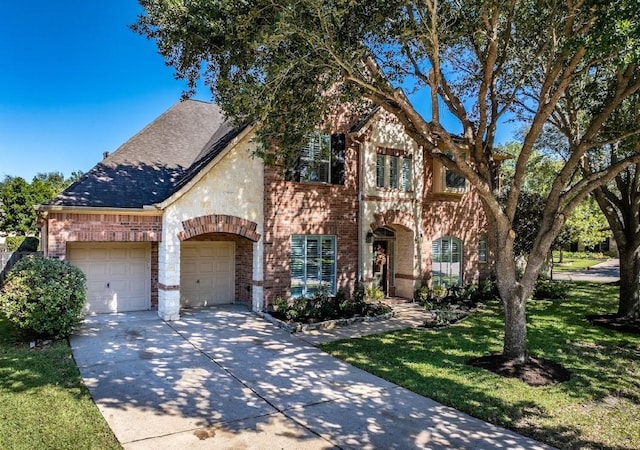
(394, 217)
(219, 223)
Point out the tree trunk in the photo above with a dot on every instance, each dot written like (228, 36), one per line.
(515, 328)
(629, 305)
(513, 295)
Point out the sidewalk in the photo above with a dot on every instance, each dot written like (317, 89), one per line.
(407, 315)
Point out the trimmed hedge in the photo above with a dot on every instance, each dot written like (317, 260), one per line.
(44, 297)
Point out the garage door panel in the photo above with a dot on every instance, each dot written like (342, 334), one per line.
(207, 273)
(118, 275)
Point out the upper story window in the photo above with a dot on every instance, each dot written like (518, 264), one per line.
(446, 180)
(393, 172)
(380, 170)
(321, 160)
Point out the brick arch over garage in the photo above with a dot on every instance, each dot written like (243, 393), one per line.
(219, 223)
(393, 217)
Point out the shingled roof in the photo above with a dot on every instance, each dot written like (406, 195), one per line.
(156, 162)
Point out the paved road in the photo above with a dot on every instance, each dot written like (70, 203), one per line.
(605, 272)
(223, 378)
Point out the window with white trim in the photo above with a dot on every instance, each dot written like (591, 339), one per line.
(482, 250)
(393, 172)
(446, 262)
(313, 264)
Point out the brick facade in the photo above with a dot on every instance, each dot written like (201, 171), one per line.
(73, 227)
(310, 208)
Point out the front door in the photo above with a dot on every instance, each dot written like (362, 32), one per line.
(381, 265)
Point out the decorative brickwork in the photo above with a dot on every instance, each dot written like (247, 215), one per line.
(71, 227)
(219, 223)
(310, 208)
(394, 217)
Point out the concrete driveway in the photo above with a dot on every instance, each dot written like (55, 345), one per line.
(224, 378)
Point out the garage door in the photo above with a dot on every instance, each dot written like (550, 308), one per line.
(118, 275)
(207, 272)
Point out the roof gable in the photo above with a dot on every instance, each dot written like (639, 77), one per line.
(156, 161)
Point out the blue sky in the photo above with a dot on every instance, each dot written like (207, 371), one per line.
(75, 81)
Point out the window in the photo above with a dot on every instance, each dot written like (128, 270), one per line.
(482, 250)
(380, 160)
(447, 181)
(315, 159)
(321, 160)
(393, 172)
(453, 180)
(446, 269)
(406, 174)
(313, 264)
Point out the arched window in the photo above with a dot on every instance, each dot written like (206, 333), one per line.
(446, 268)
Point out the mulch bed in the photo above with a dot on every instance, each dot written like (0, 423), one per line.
(534, 371)
(614, 322)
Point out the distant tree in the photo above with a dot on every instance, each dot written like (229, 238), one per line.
(289, 64)
(17, 199)
(16, 206)
(620, 203)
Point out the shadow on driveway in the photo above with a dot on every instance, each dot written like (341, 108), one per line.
(224, 378)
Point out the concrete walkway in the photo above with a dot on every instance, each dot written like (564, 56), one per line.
(605, 272)
(223, 378)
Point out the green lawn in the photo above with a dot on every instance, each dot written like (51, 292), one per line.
(575, 261)
(43, 403)
(598, 408)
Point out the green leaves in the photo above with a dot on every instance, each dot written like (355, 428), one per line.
(17, 199)
(43, 297)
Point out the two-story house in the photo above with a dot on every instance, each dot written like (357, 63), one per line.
(183, 214)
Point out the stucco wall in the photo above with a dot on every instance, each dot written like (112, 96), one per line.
(232, 187)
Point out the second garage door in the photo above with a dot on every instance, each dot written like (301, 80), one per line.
(118, 275)
(207, 272)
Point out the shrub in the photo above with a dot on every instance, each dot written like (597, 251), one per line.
(550, 290)
(22, 243)
(374, 293)
(43, 297)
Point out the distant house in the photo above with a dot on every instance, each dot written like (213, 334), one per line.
(182, 215)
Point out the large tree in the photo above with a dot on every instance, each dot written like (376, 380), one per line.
(289, 64)
(620, 203)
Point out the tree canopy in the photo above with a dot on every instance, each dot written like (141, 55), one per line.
(17, 199)
(291, 64)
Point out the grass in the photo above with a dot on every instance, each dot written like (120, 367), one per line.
(598, 408)
(43, 402)
(576, 261)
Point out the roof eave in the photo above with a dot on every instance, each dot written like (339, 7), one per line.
(146, 210)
